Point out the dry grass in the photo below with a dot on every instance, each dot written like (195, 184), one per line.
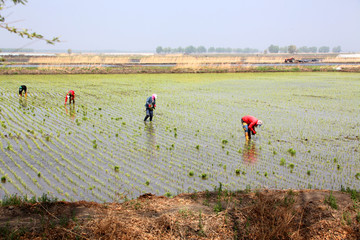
(183, 59)
(289, 214)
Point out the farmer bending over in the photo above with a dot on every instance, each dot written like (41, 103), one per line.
(70, 96)
(249, 123)
(150, 106)
(22, 89)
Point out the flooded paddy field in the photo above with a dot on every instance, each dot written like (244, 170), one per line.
(101, 150)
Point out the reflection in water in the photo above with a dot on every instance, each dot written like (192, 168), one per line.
(250, 153)
(71, 111)
(151, 137)
(23, 102)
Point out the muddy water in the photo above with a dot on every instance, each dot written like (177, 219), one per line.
(76, 148)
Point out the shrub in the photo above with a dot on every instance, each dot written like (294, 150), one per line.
(191, 173)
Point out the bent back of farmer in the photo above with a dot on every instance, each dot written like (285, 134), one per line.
(22, 89)
(71, 96)
(249, 123)
(150, 105)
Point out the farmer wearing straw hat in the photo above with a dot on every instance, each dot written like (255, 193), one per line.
(22, 89)
(71, 96)
(150, 105)
(249, 123)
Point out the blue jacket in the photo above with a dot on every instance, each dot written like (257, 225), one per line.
(150, 101)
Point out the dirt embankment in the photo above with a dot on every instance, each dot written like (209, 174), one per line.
(308, 214)
(175, 69)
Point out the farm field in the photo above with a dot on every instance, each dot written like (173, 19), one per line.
(101, 150)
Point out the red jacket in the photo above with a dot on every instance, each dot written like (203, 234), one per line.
(70, 92)
(251, 122)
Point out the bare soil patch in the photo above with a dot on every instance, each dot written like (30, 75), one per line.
(304, 214)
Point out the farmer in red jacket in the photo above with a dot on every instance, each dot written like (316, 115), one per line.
(71, 96)
(249, 123)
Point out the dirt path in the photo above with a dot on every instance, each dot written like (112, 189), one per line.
(208, 215)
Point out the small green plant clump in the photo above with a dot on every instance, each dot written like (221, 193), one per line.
(282, 162)
(116, 168)
(331, 201)
(292, 151)
(357, 176)
(3, 179)
(191, 173)
(204, 176)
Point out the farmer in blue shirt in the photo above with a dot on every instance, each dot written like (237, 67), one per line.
(150, 106)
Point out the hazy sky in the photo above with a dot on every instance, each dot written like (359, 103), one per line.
(144, 25)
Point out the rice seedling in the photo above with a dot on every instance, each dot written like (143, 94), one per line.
(137, 151)
(291, 151)
(282, 162)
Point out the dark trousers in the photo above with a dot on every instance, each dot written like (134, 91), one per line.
(149, 113)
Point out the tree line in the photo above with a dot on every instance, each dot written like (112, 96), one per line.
(201, 49)
(271, 49)
(303, 49)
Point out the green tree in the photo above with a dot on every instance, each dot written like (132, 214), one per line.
(336, 49)
(21, 32)
(167, 50)
(211, 50)
(201, 49)
(159, 49)
(313, 49)
(303, 49)
(292, 49)
(273, 49)
(190, 49)
(283, 49)
(324, 49)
